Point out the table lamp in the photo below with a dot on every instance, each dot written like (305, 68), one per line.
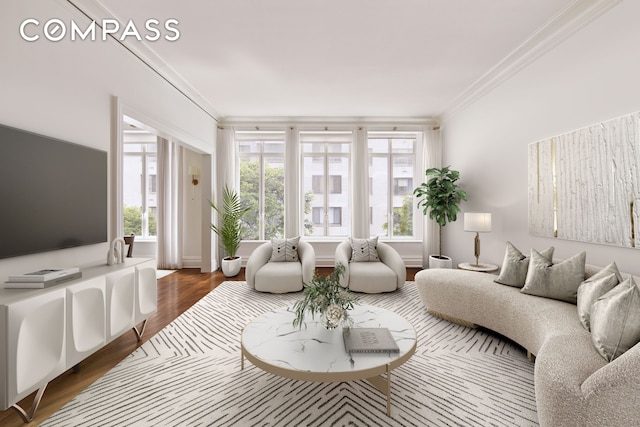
(480, 223)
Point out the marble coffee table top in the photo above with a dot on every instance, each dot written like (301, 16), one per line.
(316, 354)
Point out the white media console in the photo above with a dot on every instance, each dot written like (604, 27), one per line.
(45, 332)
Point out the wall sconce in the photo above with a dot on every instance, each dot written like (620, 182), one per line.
(480, 223)
(195, 173)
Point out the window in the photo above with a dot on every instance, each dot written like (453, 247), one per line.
(402, 186)
(326, 175)
(391, 177)
(335, 217)
(318, 184)
(335, 184)
(140, 183)
(261, 156)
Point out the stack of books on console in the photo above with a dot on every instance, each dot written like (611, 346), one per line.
(42, 278)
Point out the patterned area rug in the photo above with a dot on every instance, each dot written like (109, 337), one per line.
(189, 375)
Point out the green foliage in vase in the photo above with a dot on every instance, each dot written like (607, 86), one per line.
(229, 228)
(324, 293)
(440, 196)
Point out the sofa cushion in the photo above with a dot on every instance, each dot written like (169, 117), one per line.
(364, 250)
(557, 281)
(371, 277)
(595, 287)
(279, 277)
(615, 320)
(515, 266)
(284, 250)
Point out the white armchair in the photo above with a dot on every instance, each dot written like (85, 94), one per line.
(280, 277)
(372, 277)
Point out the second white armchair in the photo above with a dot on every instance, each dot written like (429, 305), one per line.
(372, 270)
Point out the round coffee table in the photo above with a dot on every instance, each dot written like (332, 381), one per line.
(314, 353)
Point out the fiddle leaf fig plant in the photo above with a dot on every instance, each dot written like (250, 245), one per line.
(229, 228)
(440, 197)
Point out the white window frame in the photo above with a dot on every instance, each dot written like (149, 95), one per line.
(261, 137)
(144, 155)
(416, 177)
(322, 140)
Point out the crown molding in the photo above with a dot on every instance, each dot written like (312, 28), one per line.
(328, 121)
(566, 23)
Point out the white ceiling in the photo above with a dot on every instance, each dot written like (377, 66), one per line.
(335, 58)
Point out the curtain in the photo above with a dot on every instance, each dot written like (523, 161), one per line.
(359, 185)
(293, 217)
(431, 158)
(226, 174)
(169, 215)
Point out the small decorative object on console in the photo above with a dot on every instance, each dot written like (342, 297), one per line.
(324, 295)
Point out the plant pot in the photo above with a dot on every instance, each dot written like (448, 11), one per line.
(437, 261)
(231, 266)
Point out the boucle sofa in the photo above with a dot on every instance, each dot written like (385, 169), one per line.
(574, 384)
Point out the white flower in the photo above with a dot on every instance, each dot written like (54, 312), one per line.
(334, 314)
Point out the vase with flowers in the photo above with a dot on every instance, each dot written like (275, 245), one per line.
(324, 296)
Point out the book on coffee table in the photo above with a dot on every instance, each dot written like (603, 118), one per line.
(369, 340)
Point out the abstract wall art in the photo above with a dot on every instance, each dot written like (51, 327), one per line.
(585, 185)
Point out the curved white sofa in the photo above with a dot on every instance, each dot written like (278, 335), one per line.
(574, 384)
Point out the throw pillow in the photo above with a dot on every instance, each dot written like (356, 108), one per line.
(515, 266)
(557, 281)
(284, 250)
(615, 320)
(595, 287)
(364, 250)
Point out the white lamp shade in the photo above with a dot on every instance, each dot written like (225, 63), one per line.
(478, 222)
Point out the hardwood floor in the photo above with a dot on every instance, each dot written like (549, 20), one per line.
(176, 293)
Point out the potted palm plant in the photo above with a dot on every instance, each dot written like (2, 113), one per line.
(439, 197)
(229, 229)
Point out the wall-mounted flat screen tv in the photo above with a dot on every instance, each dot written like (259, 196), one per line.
(53, 194)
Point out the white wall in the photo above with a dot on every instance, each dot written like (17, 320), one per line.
(591, 77)
(65, 89)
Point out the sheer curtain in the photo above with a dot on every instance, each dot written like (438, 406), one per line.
(431, 158)
(359, 188)
(293, 217)
(169, 217)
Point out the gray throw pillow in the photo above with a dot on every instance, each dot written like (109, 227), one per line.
(615, 320)
(364, 250)
(515, 266)
(595, 287)
(557, 281)
(284, 250)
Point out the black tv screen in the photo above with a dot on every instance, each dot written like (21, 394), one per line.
(53, 193)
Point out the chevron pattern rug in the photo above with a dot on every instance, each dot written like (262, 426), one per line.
(189, 375)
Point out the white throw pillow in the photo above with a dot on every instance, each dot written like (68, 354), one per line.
(615, 320)
(557, 281)
(364, 250)
(515, 266)
(284, 250)
(595, 287)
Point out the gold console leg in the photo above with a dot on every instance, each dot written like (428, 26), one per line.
(27, 417)
(141, 331)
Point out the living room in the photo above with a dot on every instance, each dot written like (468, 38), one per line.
(578, 72)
